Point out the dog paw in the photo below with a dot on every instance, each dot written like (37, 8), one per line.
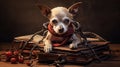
(73, 46)
(47, 48)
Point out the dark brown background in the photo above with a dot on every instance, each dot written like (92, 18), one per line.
(21, 17)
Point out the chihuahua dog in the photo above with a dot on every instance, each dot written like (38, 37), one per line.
(60, 26)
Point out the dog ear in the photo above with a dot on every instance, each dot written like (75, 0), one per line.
(74, 8)
(44, 10)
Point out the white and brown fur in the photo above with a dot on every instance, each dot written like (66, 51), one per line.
(56, 17)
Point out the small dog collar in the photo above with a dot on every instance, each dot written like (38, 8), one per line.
(66, 35)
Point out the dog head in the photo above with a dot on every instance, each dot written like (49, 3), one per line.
(60, 17)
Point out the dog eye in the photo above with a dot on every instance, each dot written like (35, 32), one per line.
(54, 21)
(66, 21)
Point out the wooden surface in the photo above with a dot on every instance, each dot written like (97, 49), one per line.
(114, 61)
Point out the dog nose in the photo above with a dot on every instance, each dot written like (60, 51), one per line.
(61, 30)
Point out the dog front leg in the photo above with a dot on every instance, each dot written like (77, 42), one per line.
(47, 43)
(75, 42)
